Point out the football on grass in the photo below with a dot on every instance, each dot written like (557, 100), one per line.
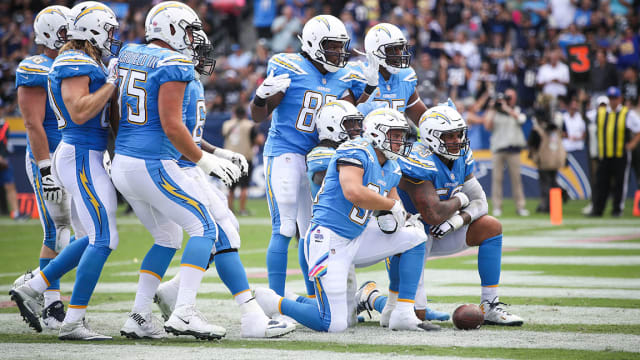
(468, 317)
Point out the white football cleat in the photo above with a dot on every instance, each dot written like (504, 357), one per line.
(187, 320)
(53, 315)
(80, 330)
(258, 325)
(494, 314)
(143, 326)
(29, 304)
(166, 297)
(22, 279)
(367, 292)
(269, 301)
(406, 319)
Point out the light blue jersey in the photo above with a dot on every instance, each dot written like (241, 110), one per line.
(422, 165)
(293, 128)
(34, 72)
(142, 69)
(331, 209)
(318, 159)
(93, 134)
(195, 115)
(395, 92)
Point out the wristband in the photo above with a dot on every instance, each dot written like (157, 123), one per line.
(258, 101)
(369, 89)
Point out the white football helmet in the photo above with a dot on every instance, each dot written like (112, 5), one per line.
(389, 45)
(96, 23)
(169, 21)
(203, 59)
(440, 120)
(315, 35)
(51, 26)
(376, 128)
(338, 121)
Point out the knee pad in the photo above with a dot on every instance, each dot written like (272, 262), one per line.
(288, 227)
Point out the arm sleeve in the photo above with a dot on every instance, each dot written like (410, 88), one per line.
(478, 205)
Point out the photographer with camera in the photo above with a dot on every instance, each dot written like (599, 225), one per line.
(505, 120)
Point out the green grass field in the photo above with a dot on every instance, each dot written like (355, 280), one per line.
(576, 285)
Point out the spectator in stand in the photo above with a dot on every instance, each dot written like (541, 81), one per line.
(562, 13)
(264, 12)
(628, 49)
(239, 58)
(553, 76)
(504, 120)
(603, 74)
(630, 87)
(569, 37)
(582, 17)
(284, 29)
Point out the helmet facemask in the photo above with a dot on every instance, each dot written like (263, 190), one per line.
(451, 151)
(204, 55)
(396, 56)
(111, 45)
(323, 55)
(351, 126)
(61, 37)
(387, 144)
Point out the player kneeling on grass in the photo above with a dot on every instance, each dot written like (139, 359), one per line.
(362, 176)
(438, 183)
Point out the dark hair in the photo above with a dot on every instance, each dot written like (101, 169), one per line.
(240, 111)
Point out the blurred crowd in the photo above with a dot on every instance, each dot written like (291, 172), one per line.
(470, 51)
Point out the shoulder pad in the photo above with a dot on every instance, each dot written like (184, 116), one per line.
(34, 65)
(74, 57)
(409, 75)
(289, 62)
(321, 151)
(174, 58)
(353, 73)
(468, 159)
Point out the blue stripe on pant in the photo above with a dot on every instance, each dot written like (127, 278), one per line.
(49, 226)
(96, 254)
(314, 316)
(198, 248)
(90, 198)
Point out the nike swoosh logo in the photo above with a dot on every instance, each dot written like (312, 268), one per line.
(184, 69)
(74, 68)
(183, 320)
(24, 76)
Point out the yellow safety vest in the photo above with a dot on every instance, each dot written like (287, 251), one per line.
(611, 132)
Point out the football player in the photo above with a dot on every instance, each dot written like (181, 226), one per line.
(336, 122)
(254, 323)
(390, 80)
(155, 81)
(340, 234)
(54, 204)
(79, 90)
(438, 183)
(297, 86)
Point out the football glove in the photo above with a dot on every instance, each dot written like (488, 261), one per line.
(51, 190)
(399, 213)
(272, 85)
(448, 226)
(112, 72)
(386, 222)
(238, 159)
(464, 199)
(370, 71)
(221, 168)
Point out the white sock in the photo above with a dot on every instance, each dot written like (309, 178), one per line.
(147, 286)
(392, 299)
(74, 314)
(404, 306)
(243, 297)
(174, 282)
(489, 293)
(190, 279)
(250, 306)
(38, 284)
(51, 296)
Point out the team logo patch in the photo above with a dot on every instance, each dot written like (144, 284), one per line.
(453, 177)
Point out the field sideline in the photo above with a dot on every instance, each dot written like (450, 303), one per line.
(577, 286)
